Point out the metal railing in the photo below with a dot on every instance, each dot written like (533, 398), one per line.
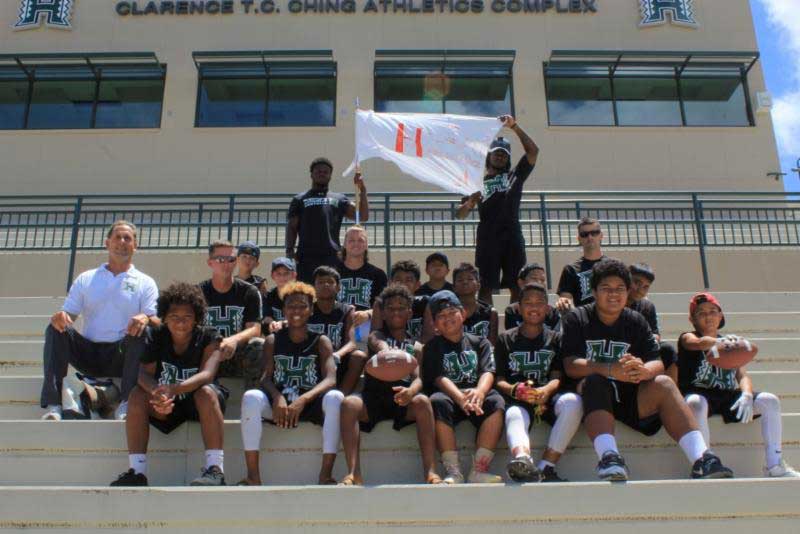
(644, 219)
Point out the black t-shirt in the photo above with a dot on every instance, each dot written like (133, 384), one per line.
(297, 367)
(502, 194)
(273, 305)
(576, 280)
(172, 368)
(331, 324)
(362, 286)
(513, 318)
(584, 335)
(648, 310)
(418, 308)
(479, 323)
(694, 371)
(426, 290)
(373, 384)
(320, 215)
(229, 312)
(463, 362)
(520, 358)
(253, 279)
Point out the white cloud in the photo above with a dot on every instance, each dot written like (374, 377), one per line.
(784, 16)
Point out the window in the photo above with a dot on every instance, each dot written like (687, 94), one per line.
(461, 83)
(646, 92)
(56, 92)
(263, 89)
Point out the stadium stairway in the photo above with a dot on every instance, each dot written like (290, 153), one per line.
(50, 472)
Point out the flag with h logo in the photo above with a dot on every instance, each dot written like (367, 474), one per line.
(448, 151)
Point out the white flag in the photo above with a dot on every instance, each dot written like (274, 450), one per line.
(445, 150)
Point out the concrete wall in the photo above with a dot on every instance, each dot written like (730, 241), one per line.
(180, 158)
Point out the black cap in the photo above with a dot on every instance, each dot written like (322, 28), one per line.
(320, 161)
(441, 300)
(249, 248)
(283, 261)
(438, 256)
(642, 269)
(500, 144)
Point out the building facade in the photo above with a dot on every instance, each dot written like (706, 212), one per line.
(113, 96)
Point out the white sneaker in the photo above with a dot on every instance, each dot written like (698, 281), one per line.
(781, 470)
(121, 413)
(478, 477)
(453, 475)
(53, 413)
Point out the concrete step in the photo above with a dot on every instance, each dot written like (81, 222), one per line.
(94, 452)
(30, 305)
(740, 506)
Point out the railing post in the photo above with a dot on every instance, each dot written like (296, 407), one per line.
(701, 237)
(199, 224)
(452, 224)
(578, 210)
(545, 239)
(386, 232)
(73, 242)
(231, 206)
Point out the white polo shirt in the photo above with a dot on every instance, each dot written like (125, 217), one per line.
(108, 302)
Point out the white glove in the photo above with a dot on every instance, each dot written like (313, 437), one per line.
(744, 408)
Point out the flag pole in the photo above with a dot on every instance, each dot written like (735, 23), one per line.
(358, 169)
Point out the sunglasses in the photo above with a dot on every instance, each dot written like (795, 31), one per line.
(224, 259)
(587, 233)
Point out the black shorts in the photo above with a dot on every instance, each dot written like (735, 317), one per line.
(380, 406)
(341, 368)
(626, 409)
(446, 410)
(185, 410)
(312, 413)
(667, 353)
(549, 415)
(720, 402)
(493, 255)
(307, 264)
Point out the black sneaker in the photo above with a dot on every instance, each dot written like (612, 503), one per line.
(523, 469)
(212, 476)
(612, 467)
(549, 475)
(130, 478)
(710, 466)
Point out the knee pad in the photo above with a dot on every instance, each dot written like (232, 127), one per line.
(598, 394)
(768, 402)
(697, 403)
(253, 401)
(332, 399)
(569, 403)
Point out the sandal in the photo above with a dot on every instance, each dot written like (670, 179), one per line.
(434, 479)
(351, 480)
(245, 482)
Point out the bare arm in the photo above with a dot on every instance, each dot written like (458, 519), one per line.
(531, 149)
(328, 367)
(348, 336)
(468, 205)
(363, 201)
(208, 370)
(292, 226)
(493, 326)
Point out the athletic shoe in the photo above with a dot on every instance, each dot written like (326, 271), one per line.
(710, 466)
(479, 477)
(453, 475)
(212, 476)
(612, 467)
(121, 413)
(781, 470)
(549, 475)
(130, 478)
(522, 469)
(53, 413)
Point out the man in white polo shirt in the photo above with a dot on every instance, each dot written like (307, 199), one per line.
(117, 303)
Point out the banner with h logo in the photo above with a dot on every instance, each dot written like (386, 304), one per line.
(657, 12)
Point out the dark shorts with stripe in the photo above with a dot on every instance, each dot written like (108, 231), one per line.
(186, 410)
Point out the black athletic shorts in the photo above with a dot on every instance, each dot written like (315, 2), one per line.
(312, 413)
(380, 406)
(495, 254)
(626, 409)
(446, 410)
(720, 402)
(185, 410)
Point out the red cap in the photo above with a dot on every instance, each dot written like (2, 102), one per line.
(699, 299)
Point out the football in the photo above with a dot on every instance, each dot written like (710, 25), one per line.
(731, 353)
(390, 365)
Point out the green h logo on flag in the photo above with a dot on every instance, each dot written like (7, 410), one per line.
(55, 12)
(655, 12)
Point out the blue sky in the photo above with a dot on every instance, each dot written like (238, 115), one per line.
(778, 31)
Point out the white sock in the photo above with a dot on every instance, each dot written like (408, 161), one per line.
(138, 462)
(693, 445)
(450, 458)
(544, 463)
(569, 412)
(768, 406)
(605, 443)
(699, 406)
(517, 423)
(331, 429)
(255, 406)
(215, 457)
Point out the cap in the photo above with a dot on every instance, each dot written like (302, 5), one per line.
(249, 248)
(500, 144)
(441, 300)
(699, 299)
(642, 269)
(320, 161)
(437, 256)
(283, 261)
